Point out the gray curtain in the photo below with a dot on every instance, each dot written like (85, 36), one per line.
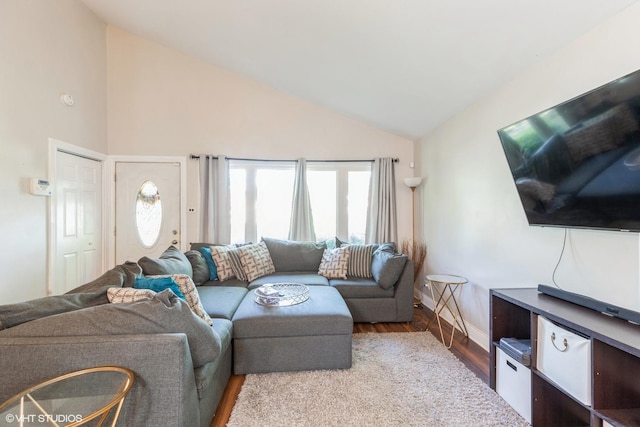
(382, 223)
(215, 219)
(301, 225)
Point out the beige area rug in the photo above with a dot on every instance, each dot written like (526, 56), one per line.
(397, 379)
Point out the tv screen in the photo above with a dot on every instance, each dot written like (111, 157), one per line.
(578, 164)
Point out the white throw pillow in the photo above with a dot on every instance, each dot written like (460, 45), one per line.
(122, 295)
(256, 260)
(335, 263)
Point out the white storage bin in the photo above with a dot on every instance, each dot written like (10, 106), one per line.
(513, 383)
(565, 358)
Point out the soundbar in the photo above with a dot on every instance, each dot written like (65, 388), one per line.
(594, 304)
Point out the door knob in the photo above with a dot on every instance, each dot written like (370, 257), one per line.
(174, 242)
(174, 232)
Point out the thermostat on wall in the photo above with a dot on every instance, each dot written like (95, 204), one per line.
(40, 187)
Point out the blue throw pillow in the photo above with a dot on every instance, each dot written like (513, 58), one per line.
(158, 284)
(213, 271)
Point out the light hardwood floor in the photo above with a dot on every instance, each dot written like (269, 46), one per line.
(470, 353)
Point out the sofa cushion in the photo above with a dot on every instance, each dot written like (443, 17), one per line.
(387, 267)
(304, 277)
(334, 263)
(158, 284)
(199, 266)
(220, 302)
(171, 261)
(289, 255)
(360, 287)
(88, 295)
(165, 313)
(256, 260)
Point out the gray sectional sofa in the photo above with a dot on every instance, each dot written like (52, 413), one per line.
(181, 363)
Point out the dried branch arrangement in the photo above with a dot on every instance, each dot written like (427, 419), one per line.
(417, 252)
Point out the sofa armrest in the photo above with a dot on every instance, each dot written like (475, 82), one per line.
(404, 293)
(164, 390)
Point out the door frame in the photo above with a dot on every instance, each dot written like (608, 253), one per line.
(56, 146)
(111, 197)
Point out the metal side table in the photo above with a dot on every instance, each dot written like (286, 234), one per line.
(72, 399)
(443, 292)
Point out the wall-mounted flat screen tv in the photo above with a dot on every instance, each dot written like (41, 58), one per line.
(578, 164)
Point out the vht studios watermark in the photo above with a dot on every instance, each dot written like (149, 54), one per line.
(43, 418)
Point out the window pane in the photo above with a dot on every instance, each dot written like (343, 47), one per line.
(322, 192)
(358, 199)
(273, 203)
(526, 135)
(148, 214)
(238, 202)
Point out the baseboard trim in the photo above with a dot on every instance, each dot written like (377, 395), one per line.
(476, 335)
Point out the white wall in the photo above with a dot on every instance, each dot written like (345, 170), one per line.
(474, 224)
(46, 48)
(162, 102)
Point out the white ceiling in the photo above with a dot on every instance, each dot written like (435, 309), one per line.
(401, 65)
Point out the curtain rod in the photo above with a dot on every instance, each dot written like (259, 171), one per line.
(196, 157)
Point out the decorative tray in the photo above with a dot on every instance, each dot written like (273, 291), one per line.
(281, 294)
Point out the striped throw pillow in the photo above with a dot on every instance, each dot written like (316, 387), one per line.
(359, 260)
(228, 264)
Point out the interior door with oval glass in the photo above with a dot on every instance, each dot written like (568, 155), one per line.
(147, 209)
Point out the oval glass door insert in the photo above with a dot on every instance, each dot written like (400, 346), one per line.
(148, 214)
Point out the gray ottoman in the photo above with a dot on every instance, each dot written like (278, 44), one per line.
(315, 334)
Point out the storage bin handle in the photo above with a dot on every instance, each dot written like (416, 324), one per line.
(553, 341)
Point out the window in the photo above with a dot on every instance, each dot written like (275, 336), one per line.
(148, 214)
(339, 194)
(262, 193)
(260, 200)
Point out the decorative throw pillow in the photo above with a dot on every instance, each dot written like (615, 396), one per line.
(158, 284)
(236, 264)
(188, 289)
(227, 261)
(359, 260)
(199, 266)
(222, 261)
(206, 254)
(387, 267)
(256, 260)
(171, 261)
(122, 295)
(334, 263)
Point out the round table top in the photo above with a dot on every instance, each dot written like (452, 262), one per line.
(447, 279)
(85, 394)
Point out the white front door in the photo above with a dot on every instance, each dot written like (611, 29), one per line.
(78, 201)
(148, 213)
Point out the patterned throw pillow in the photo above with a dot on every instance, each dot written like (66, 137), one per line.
(360, 261)
(227, 260)
(122, 295)
(256, 260)
(188, 289)
(158, 284)
(334, 263)
(236, 264)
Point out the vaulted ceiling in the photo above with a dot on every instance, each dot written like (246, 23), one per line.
(401, 65)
